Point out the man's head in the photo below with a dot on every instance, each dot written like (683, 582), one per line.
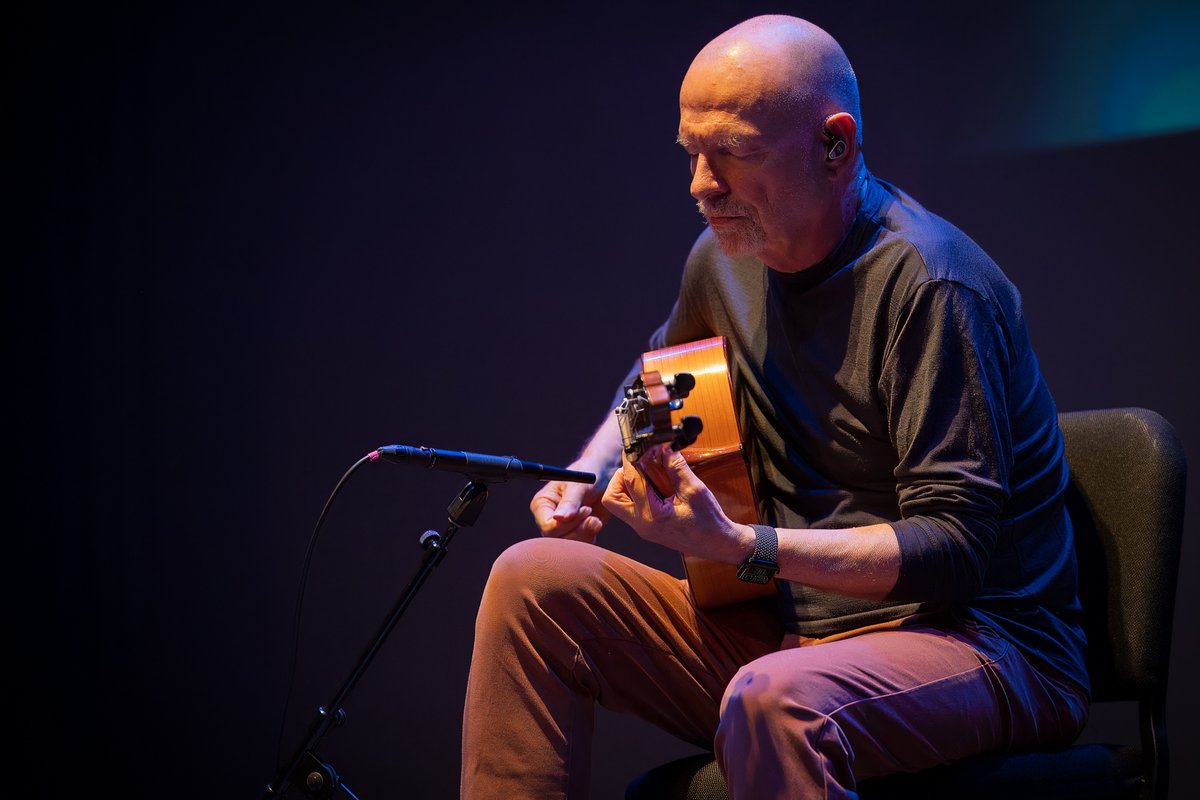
(769, 114)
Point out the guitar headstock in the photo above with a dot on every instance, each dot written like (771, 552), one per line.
(645, 413)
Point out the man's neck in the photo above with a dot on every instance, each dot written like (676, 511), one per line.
(832, 233)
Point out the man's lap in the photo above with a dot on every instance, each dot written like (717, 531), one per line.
(904, 697)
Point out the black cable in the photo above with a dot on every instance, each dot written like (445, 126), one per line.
(312, 545)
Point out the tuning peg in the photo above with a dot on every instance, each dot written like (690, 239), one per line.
(681, 385)
(686, 432)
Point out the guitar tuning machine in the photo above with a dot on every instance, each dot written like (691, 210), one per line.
(680, 385)
(686, 432)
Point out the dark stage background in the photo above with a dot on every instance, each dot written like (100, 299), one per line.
(252, 243)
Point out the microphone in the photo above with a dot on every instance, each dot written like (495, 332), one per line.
(480, 466)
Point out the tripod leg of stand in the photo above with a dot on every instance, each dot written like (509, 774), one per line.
(308, 773)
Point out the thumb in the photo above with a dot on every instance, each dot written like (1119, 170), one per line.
(569, 503)
(675, 467)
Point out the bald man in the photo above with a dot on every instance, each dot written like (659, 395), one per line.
(908, 462)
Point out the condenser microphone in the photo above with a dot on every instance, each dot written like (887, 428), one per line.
(479, 466)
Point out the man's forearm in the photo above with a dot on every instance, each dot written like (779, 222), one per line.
(602, 453)
(859, 562)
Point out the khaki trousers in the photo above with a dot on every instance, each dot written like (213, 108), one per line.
(564, 625)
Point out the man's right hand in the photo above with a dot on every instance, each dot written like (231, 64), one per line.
(573, 510)
(569, 510)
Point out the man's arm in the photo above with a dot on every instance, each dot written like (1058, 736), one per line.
(573, 510)
(859, 562)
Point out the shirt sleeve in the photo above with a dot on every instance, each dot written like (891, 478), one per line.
(944, 384)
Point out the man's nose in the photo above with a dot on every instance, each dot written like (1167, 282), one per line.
(705, 182)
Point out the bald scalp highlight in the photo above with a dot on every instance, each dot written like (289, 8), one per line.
(783, 63)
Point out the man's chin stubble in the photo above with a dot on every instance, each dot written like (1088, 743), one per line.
(737, 244)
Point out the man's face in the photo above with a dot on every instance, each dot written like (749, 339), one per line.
(756, 177)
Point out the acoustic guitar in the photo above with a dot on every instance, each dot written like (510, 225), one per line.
(696, 376)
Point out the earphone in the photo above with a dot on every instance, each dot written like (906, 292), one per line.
(837, 145)
(836, 150)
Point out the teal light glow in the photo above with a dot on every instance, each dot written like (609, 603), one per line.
(1076, 73)
(1155, 87)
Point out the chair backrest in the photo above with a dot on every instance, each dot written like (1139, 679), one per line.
(1128, 475)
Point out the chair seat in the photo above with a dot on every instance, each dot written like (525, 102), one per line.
(1083, 772)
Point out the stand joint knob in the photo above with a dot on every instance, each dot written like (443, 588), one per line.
(339, 716)
(315, 781)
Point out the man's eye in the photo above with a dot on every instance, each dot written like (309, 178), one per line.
(740, 155)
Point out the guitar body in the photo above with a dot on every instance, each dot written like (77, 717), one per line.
(717, 457)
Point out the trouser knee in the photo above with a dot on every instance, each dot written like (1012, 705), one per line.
(537, 572)
(791, 713)
(752, 701)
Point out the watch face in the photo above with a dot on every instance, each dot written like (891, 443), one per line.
(752, 572)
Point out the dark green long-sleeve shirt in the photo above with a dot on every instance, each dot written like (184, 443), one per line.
(895, 382)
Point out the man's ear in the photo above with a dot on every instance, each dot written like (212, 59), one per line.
(841, 139)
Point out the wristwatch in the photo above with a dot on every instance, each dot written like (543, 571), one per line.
(763, 563)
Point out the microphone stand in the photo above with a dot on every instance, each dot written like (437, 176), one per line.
(305, 770)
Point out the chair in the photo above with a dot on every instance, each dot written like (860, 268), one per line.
(1125, 499)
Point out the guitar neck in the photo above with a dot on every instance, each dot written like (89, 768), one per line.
(717, 457)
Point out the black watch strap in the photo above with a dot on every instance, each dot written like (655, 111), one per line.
(766, 544)
(762, 566)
